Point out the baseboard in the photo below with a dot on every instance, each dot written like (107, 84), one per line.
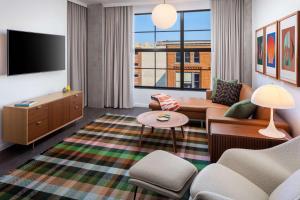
(140, 105)
(4, 145)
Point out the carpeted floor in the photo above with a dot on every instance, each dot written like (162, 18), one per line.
(94, 162)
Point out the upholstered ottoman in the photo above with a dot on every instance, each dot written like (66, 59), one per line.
(164, 173)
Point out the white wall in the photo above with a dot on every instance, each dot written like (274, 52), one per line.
(43, 16)
(263, 13)
(141, 97)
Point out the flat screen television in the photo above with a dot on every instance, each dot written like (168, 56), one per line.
(34, 52)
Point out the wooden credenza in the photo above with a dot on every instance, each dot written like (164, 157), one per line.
(25, 125)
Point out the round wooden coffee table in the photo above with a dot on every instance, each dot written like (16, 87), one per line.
(150, 119)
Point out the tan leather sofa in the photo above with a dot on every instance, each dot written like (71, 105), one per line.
(204, 109)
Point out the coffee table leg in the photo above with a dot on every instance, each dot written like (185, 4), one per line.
(182, 131)
(141, 135)
(174, 139)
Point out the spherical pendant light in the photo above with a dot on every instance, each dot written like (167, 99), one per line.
(164, 16)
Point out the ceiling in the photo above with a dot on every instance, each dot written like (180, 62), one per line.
(133, 2)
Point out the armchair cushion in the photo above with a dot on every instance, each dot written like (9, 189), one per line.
(257, 166)
(289, 189)
(218, 179)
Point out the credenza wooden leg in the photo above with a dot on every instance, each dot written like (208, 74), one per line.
(135, 191)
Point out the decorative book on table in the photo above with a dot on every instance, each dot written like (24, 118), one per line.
(163, 117)
(25, 104)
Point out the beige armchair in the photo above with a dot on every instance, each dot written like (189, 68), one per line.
(272, 174)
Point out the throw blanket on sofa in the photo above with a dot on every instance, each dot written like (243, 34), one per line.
(166, 102)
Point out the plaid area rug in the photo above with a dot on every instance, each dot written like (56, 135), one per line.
(94, 162)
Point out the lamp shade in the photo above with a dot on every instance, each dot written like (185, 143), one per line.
(164, 16)
(273, 96)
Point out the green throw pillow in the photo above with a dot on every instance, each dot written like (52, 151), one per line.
(241, 110)
(215, 80)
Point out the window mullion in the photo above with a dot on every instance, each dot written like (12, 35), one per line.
(182, 50)
(155, 84)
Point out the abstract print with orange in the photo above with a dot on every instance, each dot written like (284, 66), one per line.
(288, 49)
(271, 54)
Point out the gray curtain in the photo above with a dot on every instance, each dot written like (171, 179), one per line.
(95, 66)
(231, 40)
(110, 56)
(77, 51)
(118, 57)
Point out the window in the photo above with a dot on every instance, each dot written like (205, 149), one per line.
(191, 80)
(187, 58)
(178, 56)
(196, 57)
(171, 58)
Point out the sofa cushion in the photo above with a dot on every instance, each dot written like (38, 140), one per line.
(289, 189)
(215, 82)
(163, 169)
(223, 181)
(246, 92)
(190, 104)
(241, 110)
(227, 93)
(216, 113)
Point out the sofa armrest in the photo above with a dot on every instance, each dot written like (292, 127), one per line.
(280, 123)
(208, 94)
(205, 195)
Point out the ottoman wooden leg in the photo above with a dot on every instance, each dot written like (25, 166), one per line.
(135, 191)
(152, 129)
(141, 135)
(174, 139)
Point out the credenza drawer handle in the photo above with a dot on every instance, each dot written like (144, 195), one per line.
(76, 107)
(39, 123)
(39, 107)
(76, 95)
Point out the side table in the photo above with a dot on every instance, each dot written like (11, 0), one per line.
(227, 136)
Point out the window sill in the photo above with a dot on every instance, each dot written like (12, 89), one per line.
(168, 88)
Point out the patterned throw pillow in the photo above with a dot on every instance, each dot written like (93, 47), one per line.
(215, 82)
(227, 93)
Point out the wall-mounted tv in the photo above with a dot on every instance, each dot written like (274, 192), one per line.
(34, 52)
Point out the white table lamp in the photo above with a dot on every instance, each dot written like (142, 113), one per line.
(273, 97)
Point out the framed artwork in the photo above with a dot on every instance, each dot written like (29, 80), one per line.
(260, 51)
(289, 49)
(271, 57)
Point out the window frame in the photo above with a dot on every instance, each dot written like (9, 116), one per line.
(197, 57)
(177, 57)
(182, 50)
(187, 57)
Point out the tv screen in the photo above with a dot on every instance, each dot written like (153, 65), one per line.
(34, 52)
